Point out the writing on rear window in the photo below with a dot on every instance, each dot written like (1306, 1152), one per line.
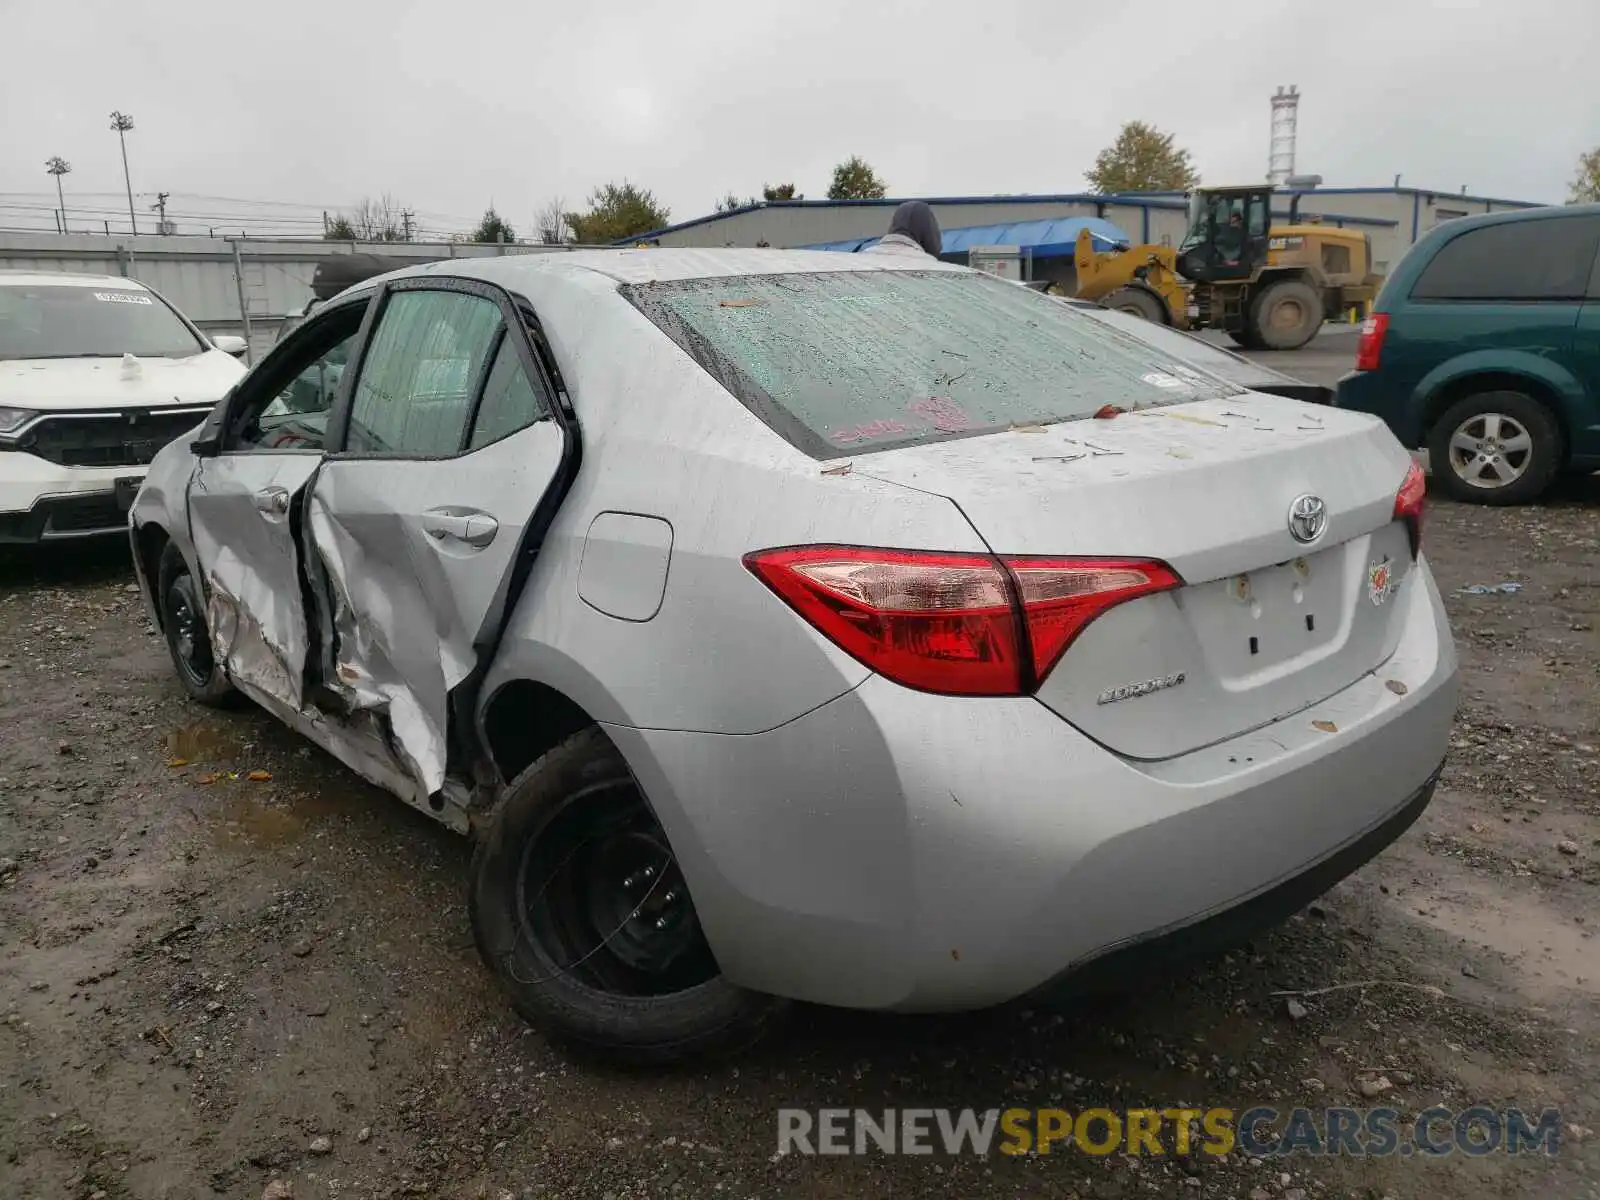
(881, 359)
(122, 298)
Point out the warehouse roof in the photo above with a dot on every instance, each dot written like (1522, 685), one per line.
(1050, 238)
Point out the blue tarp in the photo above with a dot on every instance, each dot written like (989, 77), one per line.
(1054, 238)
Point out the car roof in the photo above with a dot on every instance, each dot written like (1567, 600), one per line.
(13, 278)
(1548, 212)
(657, 265)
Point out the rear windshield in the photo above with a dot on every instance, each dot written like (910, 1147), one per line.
(850, 361)
(64, 321)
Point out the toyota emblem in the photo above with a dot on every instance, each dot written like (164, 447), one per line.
(1308, 518)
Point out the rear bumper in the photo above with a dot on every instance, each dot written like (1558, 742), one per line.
(896, 850)
(1367, 392)
(1120, 966)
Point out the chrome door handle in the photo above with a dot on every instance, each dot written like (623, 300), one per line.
(273, 501)
(473, 529)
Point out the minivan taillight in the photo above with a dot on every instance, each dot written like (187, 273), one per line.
(955, 624)
(1370, 348)
(1408, 505)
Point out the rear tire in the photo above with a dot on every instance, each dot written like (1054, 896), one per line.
(578, 907)
(1136, 302)
(1287, 315)
(183, 620)
(1496, 448)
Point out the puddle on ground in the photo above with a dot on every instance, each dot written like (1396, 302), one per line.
(261, 815)
(203, 744)
(242, 819)
(1551, 954)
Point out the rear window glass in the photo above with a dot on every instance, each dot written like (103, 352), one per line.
(849, 361)
(1547, 259)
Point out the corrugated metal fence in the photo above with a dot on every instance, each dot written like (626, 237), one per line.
(246, 286)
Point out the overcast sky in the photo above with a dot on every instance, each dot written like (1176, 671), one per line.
(448, 106)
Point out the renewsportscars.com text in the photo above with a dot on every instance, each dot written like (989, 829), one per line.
(1259, 1132)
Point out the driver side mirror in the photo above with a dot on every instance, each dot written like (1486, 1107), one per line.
(230, 343)
(206, 447)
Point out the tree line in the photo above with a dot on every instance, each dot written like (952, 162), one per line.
(1142, 158)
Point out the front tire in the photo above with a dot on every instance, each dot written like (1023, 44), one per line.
(579, 908)
(183, 620)
(1498, 447)
(1135, 302)
(1287, 315)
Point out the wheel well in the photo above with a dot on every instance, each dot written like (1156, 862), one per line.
(524, 719)
(1494, 381)
(152, 544)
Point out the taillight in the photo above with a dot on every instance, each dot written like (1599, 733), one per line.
(1408, 504)
(1370, 348)
(956, 624)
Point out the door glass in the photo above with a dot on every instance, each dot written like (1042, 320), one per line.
(1258, 216)
(415, 389)
(510, 400)
(297, 417)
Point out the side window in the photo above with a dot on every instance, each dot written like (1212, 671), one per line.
(510, 399)
(1258, 217)
(1546, 259)
(292, 393)
(415, 390)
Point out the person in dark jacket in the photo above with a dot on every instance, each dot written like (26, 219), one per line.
(913, 233)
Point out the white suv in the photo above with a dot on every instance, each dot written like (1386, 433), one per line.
(97, 373)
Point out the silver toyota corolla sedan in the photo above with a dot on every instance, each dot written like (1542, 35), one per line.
(789, 625)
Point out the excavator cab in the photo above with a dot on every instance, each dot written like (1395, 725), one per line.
(1228, 233)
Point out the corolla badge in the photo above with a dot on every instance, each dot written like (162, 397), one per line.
(1143, 688)
(1308, 518)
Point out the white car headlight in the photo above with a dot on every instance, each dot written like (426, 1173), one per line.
(13, 419)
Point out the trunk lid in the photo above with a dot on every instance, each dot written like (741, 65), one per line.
(1265, 624)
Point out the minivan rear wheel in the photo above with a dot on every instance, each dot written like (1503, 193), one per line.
(1498, 447)
(578, 906)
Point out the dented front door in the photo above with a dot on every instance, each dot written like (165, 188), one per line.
(447, 449)
(240, 514)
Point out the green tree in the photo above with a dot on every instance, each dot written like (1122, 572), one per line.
(779, 191)
(730, 202)
(853, 179)
(1142, 159)
(492, 228)
(617, 211)
(1586, 183)
(340, 230)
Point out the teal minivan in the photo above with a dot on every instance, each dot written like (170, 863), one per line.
(1484, 348)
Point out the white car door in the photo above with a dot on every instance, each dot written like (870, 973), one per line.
(242, 509)
(446, 447)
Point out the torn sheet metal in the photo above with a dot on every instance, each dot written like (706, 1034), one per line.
(417, 558)
(252, 569)
(386, 655)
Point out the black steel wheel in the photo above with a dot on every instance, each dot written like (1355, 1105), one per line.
(183, 620)
(580, 909)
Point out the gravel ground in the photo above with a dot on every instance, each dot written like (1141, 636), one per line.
(229, 968)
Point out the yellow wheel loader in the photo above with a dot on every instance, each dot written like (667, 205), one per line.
(1267, 288)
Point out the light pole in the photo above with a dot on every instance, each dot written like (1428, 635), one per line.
(58, 166)
(122, 122)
